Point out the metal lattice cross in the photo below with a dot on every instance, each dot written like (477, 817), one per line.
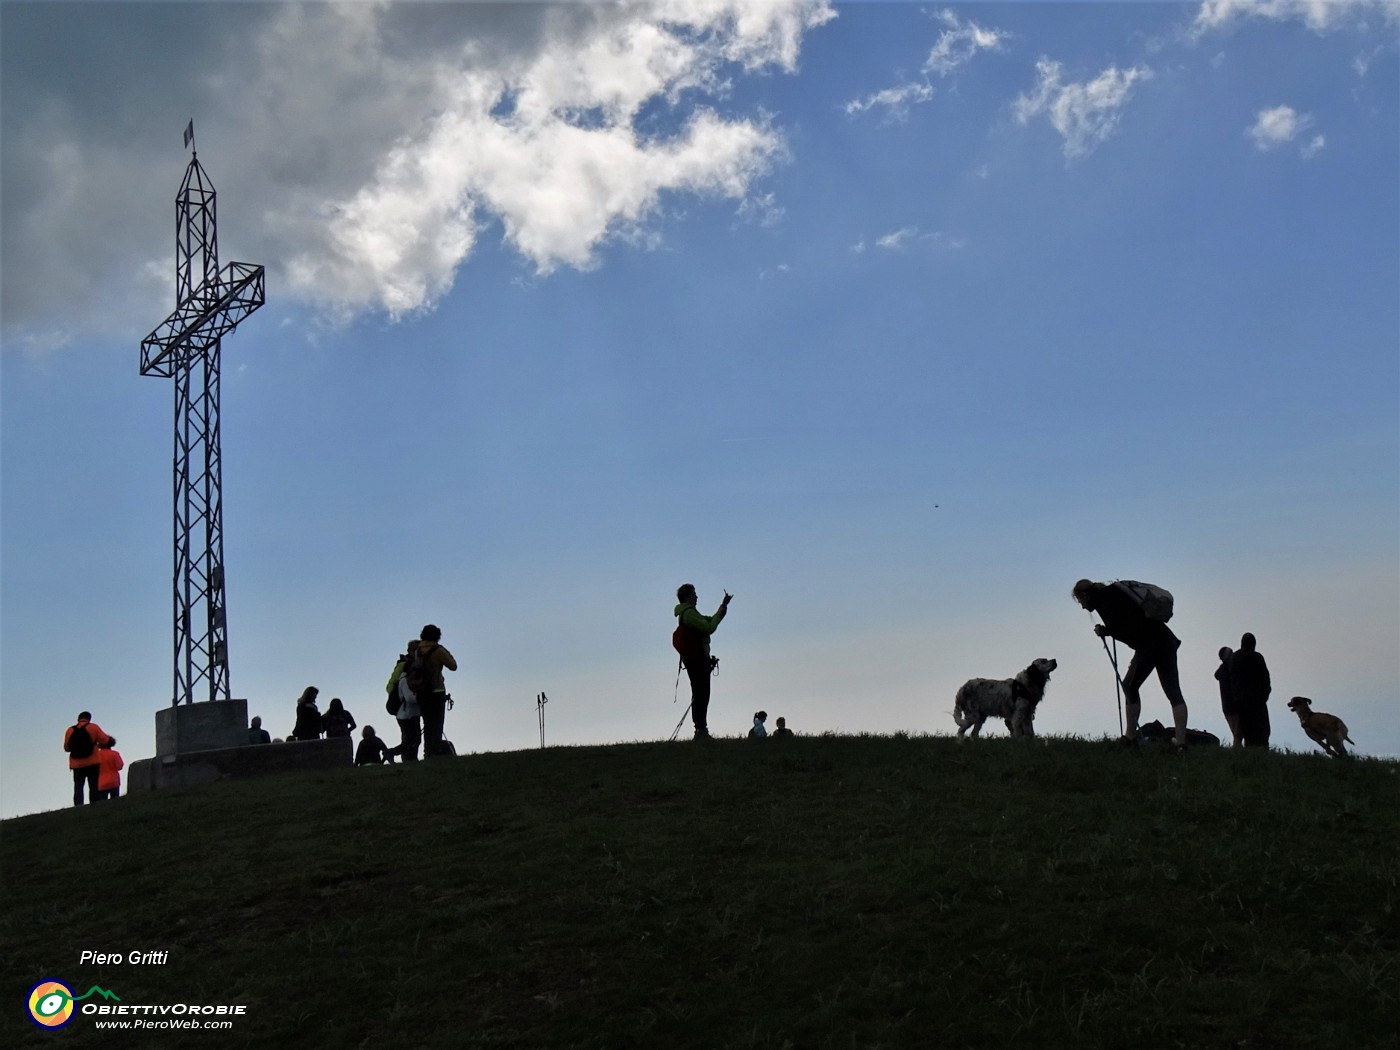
(209, 304)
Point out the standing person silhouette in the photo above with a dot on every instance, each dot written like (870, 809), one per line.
(337, 721)
(1228, 708)
(81, 741)
(110, 765)
(696, 629)
(1250, 685)
(434, 700)
(308, 725)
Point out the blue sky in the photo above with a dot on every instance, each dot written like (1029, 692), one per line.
(894, 320)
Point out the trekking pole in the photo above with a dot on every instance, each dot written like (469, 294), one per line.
(540, 701)
(677, 731)
(1117, 678)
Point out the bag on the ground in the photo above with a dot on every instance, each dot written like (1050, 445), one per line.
(79, 743)
(1155, 602)
(1157, 733)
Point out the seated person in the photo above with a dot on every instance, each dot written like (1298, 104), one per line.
(372, 751)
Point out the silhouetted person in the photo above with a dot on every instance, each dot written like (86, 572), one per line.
(109, 764)
(1227, 694)
(697, 628)
(1250, 686)
(308, 725)
(81, 741)
(408, 714)
(256, 733)
(782, 730)
(1154, 649)
(759, 730)
(371, 751)
(434, 700)
(337, 721)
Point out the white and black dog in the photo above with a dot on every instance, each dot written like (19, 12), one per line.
(1012, 699)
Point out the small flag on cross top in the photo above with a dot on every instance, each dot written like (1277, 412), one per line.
(189, 132)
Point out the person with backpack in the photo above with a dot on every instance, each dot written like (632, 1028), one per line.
(337, 721)
(109, 764)
(81, 741)
(1136, 614)
(692, 641)
(1250, 685)
(403, 705)
(308, 725)
(425, 678)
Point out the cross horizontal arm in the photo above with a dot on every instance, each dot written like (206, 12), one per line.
(211, 312)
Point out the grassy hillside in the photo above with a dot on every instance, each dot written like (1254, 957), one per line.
(823, 892)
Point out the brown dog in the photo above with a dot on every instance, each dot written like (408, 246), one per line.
(1327, 730)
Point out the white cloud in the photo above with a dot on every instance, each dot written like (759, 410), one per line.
(763, 209)
(1277, 126)
(1084, 114)
(959, 43)
(895, 101)
(956, 46)
(1314, 147)
(898, 239)
(1318, 15)
(551, 146)
(360, 149)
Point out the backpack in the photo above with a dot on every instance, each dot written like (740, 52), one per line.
(419, 673)
(1155, 602)
(79, 743)
(686, 644)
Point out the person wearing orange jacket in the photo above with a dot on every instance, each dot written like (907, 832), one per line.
(109, 764)
(81, 741)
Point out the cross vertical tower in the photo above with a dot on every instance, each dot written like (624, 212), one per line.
(209, 303)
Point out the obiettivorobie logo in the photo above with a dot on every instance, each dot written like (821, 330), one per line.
(51, 1002)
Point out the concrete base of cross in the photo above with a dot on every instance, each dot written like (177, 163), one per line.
(237, 763)
(205, 726)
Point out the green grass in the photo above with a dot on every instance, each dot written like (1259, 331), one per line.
(819, 892)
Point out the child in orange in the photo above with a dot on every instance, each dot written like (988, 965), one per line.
(109, 764)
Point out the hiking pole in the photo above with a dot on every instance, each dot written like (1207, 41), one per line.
(677, 731)
(1117, 678)
(540, 701)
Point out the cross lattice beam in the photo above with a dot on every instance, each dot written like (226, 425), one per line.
(186, 346)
